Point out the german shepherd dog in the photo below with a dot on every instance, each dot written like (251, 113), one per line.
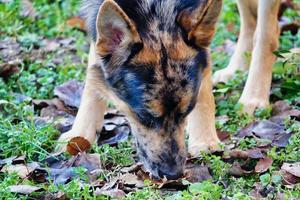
(151, 58)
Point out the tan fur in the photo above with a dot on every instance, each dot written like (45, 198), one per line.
(147, 55)
(201, 122)
(258, 85)
(259, 34)
(180, 51)
(89, 118)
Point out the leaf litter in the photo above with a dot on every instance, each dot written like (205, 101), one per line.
(61, 111)
(61, 169)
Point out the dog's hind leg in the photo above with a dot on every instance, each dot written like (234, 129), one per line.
(201, 121)
(238, 61)
(89, 118)
(257, 88)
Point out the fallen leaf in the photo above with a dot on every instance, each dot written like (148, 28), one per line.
(44, 103)
(22, 170)
(222, 135)
(280, 106)
(263, 165)
(89, 161)
(280, 118)
(251, 153)
(282, 140)
(23, 189)
(255, 153)
(285, 4)
(134, 168)
(281, 110)
(290, 179)
(261, 192)
(132, 180)
(70, 93)
(267, 130)
(237, 170)
(8, 69)
(119, 134)
(64, 123)
(115, 118)
(293, 27)
(292, 168)
(38, 175)
(56, 196)
(10, 56)
(247, 130)
(255, 193)
(13, 160)
(115, 129)
(114, 193)
(62, 170)
(197, 173)
(77, 145)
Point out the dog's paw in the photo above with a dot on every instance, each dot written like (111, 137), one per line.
(222, 76)
(251, 103)
(210, 146)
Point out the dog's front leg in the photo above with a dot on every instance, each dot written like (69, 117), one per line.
(89, 118)
(201, 122)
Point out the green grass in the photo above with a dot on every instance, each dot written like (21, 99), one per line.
(37, 79)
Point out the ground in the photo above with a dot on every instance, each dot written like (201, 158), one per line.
(47, 51)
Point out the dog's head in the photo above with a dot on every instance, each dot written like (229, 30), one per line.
(153, 68)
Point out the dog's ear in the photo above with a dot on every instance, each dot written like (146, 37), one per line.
(114, 29)
(199, 23)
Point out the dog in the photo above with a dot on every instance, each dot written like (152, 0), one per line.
(151, 58)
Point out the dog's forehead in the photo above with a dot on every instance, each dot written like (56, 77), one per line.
(176, 49)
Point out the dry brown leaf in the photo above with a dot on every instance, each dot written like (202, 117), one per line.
(197, 173)
(22, 170)
(56, 196)
(70, 93)
(280, 106)
(292, 168)
(77, 145)
(61, 169)
(290, 179)
(263, 165)
(113, 193)
(134, 168)
(23, 189)
(132, 180)
(250, 153)
(237, 170)
(222, 135)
